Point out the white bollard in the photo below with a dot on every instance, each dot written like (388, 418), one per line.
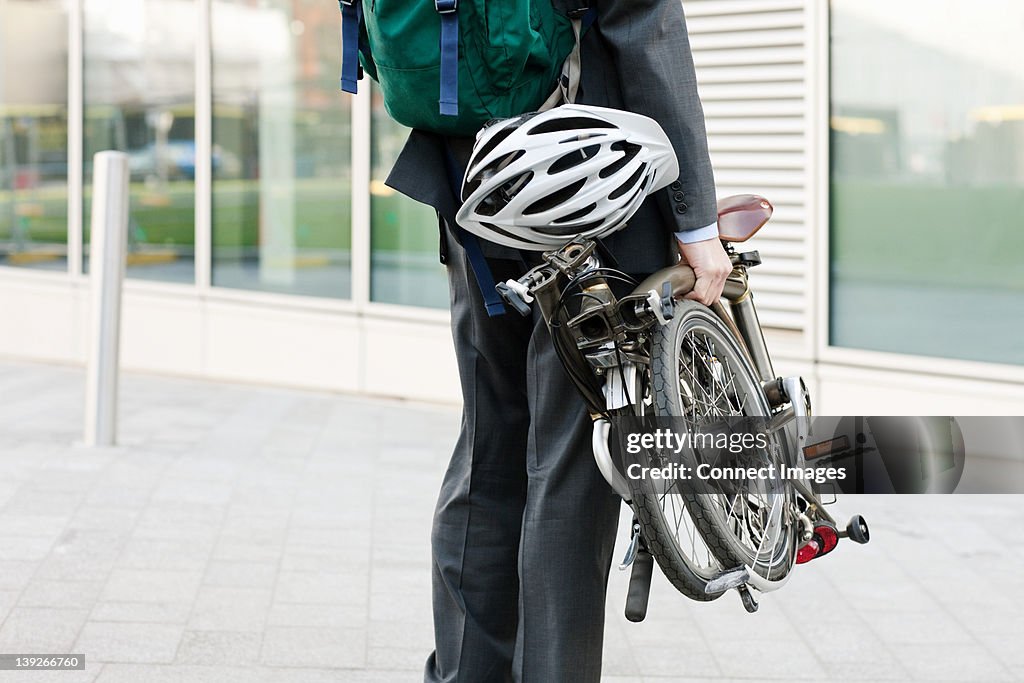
(106, 273)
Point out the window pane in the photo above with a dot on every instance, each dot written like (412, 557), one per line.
(33, 133)
(139, 98)
(928, 178)
(282, 161)
(404, 236)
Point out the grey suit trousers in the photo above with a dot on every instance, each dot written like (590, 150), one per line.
(525, 524)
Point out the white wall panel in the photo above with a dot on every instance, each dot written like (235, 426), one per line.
(302, 348)
(41, 316)
(162, 333)
(238, 336)
(753, 77)
(411, 359)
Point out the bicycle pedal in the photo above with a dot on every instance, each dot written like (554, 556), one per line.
(732, 578)
(857, 530)
(639, 593)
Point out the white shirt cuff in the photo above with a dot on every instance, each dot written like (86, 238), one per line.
(699, 235)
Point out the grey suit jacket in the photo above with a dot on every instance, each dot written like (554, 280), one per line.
(636, 57)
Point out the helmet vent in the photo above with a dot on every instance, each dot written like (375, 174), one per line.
(506, 160)
(629, 184)
(630, 150)
(496, 140)
(501, 196)
(574, 159)
(470, 185)
(495, 228)
(575, 123)
(581, 137)
(576, 215)
(561, 232)
(555, 199)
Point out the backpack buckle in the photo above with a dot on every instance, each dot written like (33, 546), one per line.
(579, 12)
(446, 6)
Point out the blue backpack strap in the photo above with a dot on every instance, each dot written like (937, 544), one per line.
(589, 17)
(470, 242)
(449, 98)
(482, 271)
(351, 18)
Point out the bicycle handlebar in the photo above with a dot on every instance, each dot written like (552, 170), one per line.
(681, 277)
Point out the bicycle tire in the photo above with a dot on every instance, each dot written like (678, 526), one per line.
(685, 575)
(708, 517)
(665, 550)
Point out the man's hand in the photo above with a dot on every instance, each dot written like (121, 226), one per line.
(711, 265)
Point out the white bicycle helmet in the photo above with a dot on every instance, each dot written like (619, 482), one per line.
(537, 180)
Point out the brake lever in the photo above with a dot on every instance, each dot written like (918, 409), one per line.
(667, 304)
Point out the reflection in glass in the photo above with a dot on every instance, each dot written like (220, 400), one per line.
(282, 161)
(404, 234)
(139, 98)
(33, 134)
(928, 178)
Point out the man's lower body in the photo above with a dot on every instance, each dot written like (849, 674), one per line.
(525, 524)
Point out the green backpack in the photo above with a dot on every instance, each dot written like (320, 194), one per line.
(449, 67)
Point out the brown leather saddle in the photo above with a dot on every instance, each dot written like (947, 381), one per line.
(740, 217)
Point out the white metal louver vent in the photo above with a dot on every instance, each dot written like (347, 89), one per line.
(750, 57)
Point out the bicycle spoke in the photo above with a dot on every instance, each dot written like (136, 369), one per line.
(710, 383)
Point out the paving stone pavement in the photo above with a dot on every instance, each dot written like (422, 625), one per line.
(253, 534)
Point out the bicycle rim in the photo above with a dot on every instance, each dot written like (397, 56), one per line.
(714, 380)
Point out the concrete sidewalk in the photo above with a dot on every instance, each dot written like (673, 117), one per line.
(252, 534)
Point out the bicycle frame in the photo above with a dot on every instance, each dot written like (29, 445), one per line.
(746, 327)
(603, 341)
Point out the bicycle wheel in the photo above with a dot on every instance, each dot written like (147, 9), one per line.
(700, 374)
(678, 546)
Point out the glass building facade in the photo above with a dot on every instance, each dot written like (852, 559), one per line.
(139, 98)
(252, 173)
(280, 158)
(34, 133)
(404, 234)
(927, 191)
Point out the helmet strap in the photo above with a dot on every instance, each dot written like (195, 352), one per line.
(569, 80)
